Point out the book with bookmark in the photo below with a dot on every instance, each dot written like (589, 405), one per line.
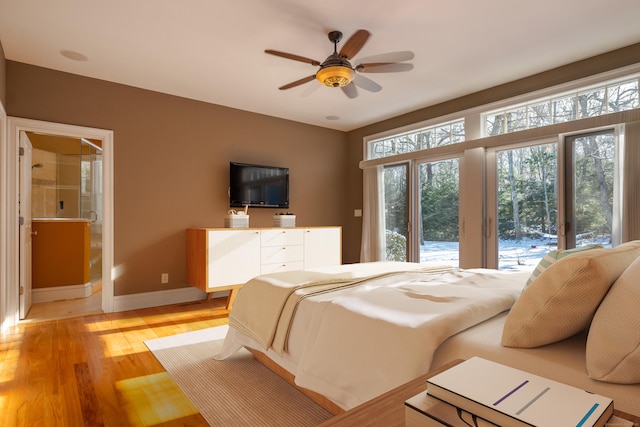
(510, 397)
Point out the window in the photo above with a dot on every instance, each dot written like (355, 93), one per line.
(588, 102)
(421, 139)
(533, 217)
(505, 202)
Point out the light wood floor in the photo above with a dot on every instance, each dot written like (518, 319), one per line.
(96, 371)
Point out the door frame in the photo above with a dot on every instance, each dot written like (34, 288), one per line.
(4, 223)
(16, 125)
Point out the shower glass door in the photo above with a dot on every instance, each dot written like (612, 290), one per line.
(91, 201)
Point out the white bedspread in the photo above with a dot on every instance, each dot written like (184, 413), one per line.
(266, 305)
(368, 339)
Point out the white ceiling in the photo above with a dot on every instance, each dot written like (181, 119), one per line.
(213, 50)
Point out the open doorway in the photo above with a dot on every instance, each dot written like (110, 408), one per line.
(66, 223)
(99, 137)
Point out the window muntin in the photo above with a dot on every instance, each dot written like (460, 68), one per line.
(583, 103)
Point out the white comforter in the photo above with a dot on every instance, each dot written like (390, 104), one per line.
(365, 340)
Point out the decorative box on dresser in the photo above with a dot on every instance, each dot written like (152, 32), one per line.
(220, 259)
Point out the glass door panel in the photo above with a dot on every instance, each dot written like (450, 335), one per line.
(591, 176)
(438, 234)
(527, 205)
(91, 201)
(396, 211)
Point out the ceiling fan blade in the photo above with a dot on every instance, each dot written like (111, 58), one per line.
(366, 83)
(298, 82)
(402, 56)
(384, 67)
(354, 44)
(350, 90)
(292, 56)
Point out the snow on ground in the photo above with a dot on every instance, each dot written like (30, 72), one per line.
(512, 254)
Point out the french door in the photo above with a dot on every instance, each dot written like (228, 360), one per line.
(421, 211)
(553, 194)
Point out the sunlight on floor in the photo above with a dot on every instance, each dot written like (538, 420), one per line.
(154, 399)
(9, 365)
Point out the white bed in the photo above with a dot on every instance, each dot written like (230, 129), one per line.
(369, 336)
(353, 344)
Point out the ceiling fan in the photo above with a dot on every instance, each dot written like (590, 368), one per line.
(337, 71)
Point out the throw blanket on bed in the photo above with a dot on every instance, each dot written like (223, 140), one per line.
(265, 305)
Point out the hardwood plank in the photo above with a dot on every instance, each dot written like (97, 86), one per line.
(91, 415)
(95, 370)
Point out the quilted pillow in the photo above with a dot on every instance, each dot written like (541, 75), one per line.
(563, 299)
(613, 343)
(555, 255)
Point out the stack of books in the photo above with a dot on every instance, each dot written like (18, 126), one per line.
(479, 392)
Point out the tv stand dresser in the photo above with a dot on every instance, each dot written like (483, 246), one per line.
(221, 259)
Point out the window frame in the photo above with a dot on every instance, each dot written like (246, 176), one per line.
(471, 254)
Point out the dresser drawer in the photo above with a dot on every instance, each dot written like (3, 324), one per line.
(281, 266)
(282, 237)
(272, 254)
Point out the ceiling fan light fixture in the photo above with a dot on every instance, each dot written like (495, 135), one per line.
(335, 76)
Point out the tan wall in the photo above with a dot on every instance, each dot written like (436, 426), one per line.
(171, 164)
(598, 64)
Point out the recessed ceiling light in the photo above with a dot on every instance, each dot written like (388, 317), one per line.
(75, 56)
(332, 118)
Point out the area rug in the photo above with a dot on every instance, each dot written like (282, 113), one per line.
(238, 391)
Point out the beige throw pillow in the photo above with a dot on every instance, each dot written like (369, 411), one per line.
(555, 255)
(563, 299)
(613, 343)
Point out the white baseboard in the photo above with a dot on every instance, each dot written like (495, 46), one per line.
(57, 293)
(160, 298)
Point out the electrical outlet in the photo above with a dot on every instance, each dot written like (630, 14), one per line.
(164, 278)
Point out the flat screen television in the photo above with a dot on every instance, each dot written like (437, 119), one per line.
(258, 186)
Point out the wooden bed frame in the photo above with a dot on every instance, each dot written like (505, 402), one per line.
(289, 377)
